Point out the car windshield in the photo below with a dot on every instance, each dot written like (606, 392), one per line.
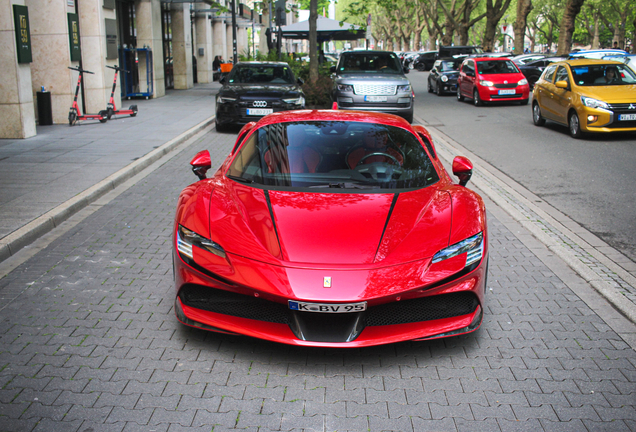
(261, 74)
(496, 67)
(386, 63)
(333, 155)
(603, 75)
(448, 66)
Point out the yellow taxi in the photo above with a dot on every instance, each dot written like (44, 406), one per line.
(587, 96)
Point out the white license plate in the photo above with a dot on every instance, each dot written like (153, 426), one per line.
(623, 117)
(259, 111)
(375, 98)
(327, 307)
(505, 92)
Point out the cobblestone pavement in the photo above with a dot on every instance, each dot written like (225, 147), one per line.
(90, 343)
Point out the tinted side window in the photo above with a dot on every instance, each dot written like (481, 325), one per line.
(549, 73)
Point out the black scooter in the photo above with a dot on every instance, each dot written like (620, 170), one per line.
(74, 114)
(111, 108)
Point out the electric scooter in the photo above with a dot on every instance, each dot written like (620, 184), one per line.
(111, 108)
(74, 114)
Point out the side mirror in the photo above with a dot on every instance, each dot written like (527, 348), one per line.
(406, 70)
(300, 81)
(201, 163)
(470, 74)
(332, 69)
(463, 169)
(561, 84)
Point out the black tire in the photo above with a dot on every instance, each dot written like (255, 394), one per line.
(104, 115)
(420, 67)
(110, 113)
(430, 87)
(222, 127)
(574, 125)
(476, 99)
(438, 90)
(524, 102)
(71, 118)
(133, 108)
(537, 118)
(460, 97)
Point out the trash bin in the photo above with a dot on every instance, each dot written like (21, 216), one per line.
(45, 112)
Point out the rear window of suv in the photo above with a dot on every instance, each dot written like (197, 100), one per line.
(385, 63)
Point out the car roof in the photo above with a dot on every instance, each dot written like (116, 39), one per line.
(337, 115)
(262, 63)
(490, 58)
(587, 62)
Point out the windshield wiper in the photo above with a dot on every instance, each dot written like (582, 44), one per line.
(239, 179)
(342, 186)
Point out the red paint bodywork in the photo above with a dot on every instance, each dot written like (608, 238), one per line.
(467, 85)
(367, 257)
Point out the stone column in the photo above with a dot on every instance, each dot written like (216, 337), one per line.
(182, 46)
(262, 43)
(229, 42)
(204, 42)
(219, 43)
(17, 114)
(149, 34)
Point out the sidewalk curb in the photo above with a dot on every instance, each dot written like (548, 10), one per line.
(53, 218)
(603, 287)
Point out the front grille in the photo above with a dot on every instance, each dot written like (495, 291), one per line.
(518, 95)
(504, 86)
(624, 107)
(374, 89)
(229, 303)
(422, 309)
(622, 124)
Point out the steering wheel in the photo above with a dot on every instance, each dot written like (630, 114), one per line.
(393, 158)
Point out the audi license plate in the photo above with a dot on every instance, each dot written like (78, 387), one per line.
(375, 98)
(507, 92)
(259, 111)
(626, 117)
(327, 307)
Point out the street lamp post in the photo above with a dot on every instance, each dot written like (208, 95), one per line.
(234, 54)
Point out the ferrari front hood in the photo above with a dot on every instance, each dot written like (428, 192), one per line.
(337, 228)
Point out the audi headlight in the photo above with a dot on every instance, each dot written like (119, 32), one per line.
(593, 103)
(187, 238)
(295, 101)
(345, 88)
(444, 78)
(486, 83)
(523, 82)
(225, 99)
(474, 246)
(404, 88)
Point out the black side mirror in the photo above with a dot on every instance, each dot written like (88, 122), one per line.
(300, 81)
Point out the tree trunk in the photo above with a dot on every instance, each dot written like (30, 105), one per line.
(634, 36)
(523, 10)
(493, 15)
(595, 40)
(566, 29)
(313, 41)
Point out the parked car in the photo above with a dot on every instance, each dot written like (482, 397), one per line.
(372, 81)
(629, 60)
(254, 89)
(443, 76)
(450, 51)
(334, 229)
(523, 59)
(587, 95)
(486, 79)
(533, 70)
(596, 54)
(425, 61)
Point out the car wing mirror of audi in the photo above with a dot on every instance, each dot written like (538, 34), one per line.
(201, 163)
(463, 169)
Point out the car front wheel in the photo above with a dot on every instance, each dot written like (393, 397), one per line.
(537, 118)
(476, 99)
(574, 125)
(460, 97)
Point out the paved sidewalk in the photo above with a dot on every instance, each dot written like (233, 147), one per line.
(41, 173)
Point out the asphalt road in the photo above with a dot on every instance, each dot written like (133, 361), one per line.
(591, 180)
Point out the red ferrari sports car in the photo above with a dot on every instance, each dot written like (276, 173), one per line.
(331, 228)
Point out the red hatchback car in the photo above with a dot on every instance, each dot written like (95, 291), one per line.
(334, 229)
(491, 79)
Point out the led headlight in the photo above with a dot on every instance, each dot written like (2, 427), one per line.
(345, 88)
(444, 78)
(593, 103)
(523, 82)
(473, 245)
(187, 238)
(404, 88)
(486, 83)
(295, 101)
(225, 99)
